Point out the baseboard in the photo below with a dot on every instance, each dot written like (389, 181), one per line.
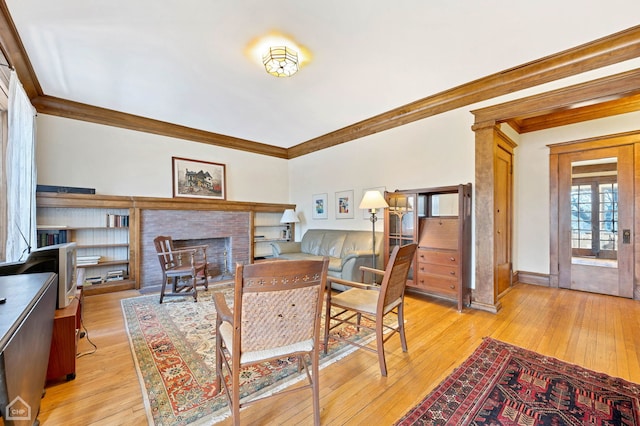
(486, 307)
(534, 278)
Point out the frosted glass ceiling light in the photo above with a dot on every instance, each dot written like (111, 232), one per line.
(280, 61)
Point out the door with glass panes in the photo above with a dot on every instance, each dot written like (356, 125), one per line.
(401, 222)
(595, 218)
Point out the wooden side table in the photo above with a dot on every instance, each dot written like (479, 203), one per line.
(64, 342)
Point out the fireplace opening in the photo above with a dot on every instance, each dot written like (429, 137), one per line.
(219, 255)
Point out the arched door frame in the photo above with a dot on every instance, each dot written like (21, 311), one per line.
(569, 103)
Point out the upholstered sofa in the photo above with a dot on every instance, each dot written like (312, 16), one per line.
(347, 251)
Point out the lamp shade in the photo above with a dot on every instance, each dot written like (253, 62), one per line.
(373, 200)
(289, 216)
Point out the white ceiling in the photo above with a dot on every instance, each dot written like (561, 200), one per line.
(185, 61)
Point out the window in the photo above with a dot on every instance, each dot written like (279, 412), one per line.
(4, 101)
(594, 211)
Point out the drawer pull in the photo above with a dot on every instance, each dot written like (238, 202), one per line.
(453, 259)
(452, 286)
(452, 272)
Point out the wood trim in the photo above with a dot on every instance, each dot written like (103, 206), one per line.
(566, 99)
(605, 51)
(576, 115)
(15, 53)
(53, 199)
(596, 142)
(636, 221)
(534, 278)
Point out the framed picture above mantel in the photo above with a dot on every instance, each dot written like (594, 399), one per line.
(198, 179)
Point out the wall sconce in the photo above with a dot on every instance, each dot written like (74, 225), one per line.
(280, 61)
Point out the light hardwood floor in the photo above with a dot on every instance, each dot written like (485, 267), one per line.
(595, 331)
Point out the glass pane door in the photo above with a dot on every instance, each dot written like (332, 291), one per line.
(401, 222)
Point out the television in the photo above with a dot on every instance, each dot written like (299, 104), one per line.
(58, 258)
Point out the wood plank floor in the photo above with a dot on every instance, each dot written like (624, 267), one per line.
(595, 331)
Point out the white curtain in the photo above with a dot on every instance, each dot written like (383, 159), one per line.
(21, 174)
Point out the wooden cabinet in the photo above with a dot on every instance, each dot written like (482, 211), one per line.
(25, 338)
(267, 229)
(67, 324)
(439, 221)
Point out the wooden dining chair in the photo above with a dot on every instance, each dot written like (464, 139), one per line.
(277, 309)
(372, 302)
(183, 267)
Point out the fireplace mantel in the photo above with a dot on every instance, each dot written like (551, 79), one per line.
(54, 199)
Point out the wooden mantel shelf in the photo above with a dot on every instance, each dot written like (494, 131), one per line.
(54, 199)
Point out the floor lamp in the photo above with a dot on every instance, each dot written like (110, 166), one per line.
(372, 201)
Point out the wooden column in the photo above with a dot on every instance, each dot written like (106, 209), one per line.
(484, 296)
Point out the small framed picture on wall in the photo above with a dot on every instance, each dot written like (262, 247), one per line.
(319, 206)
(344, 204)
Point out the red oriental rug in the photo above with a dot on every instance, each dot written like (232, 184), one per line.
(173, 346)
(501, 384)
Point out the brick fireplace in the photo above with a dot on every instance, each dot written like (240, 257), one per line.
(226, 234)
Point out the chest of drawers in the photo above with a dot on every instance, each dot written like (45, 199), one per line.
(442, 261)
(438, 271)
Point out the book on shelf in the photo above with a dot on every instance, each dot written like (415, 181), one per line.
(117, 220)
(47, 237)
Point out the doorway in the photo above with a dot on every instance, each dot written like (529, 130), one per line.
(595, 205)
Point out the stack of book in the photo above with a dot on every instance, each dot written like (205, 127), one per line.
(87, 260)
(114, 275)
(92, 280)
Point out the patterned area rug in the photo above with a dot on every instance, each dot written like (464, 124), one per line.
(173, 346)
(501, 384)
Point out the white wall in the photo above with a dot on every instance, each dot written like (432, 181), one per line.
(117, 161)
(434, 152)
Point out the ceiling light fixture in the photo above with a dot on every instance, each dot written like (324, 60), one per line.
(280, 61)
